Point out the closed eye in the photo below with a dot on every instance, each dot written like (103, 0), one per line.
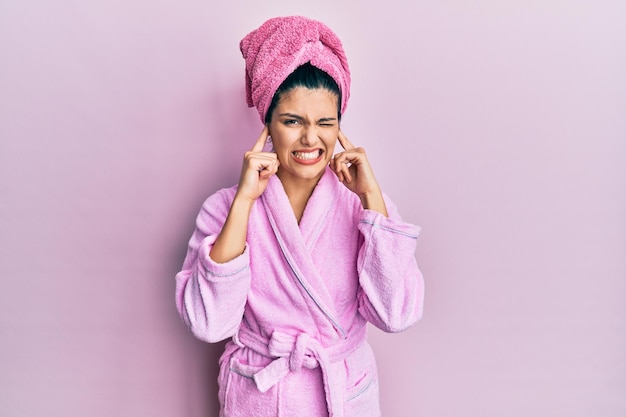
(327, 122)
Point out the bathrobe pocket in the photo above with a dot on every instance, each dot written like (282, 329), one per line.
(360, 387)
(242, 397)
(362, 397)
(362, 384)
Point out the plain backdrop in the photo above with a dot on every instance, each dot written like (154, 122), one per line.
(497, 126)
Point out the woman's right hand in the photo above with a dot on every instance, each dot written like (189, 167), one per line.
(258, 167)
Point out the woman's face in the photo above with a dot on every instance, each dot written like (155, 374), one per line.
(304, 130)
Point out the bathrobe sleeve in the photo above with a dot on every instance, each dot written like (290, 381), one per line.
(392, 287)
(210, 297)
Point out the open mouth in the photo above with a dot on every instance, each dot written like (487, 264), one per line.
(307, 156)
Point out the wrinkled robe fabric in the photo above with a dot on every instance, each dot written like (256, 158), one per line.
(297, 301)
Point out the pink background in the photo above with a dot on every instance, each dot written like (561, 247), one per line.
(499, 127)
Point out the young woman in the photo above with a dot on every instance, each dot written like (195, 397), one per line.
(294, 261)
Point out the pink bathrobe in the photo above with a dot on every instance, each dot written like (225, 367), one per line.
(297, 301)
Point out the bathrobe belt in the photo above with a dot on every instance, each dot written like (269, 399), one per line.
(292, 352)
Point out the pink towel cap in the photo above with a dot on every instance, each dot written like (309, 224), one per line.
(279, 46)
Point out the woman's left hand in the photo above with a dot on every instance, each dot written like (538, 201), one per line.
(354, 170)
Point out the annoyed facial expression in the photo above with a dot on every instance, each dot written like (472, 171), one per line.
(304, 130)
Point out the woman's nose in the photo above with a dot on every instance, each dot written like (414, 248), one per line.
(309, 136)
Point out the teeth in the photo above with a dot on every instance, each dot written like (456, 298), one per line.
(306, 155)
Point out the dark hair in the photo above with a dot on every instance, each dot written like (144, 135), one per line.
(307, 76)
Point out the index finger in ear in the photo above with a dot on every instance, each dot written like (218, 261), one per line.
(345, 143)
(260, 143)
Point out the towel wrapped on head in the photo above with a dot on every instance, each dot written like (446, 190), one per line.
(282, 44)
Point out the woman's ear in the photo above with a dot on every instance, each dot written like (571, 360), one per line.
(269, 130)
(269, 146)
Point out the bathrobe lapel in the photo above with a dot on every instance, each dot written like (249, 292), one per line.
(296, 242)
(316, 213)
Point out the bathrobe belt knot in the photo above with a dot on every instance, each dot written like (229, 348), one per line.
(292, 352)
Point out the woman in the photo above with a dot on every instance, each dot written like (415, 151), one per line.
(294, 261)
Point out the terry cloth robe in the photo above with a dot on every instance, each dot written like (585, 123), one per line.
(297, 301)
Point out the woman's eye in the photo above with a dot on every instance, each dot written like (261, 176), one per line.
(291, 122)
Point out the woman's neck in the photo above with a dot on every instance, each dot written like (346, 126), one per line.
(298, 192)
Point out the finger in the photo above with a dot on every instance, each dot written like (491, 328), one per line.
(269, 170)
(336, 162)
(335, 166)
(261, 161)
(338, 173)
(252, 158)
(347, 158)
(344, 142)
(345, 169)
(355, 156)
(262, 168)
(341, 167)
(260, 143)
